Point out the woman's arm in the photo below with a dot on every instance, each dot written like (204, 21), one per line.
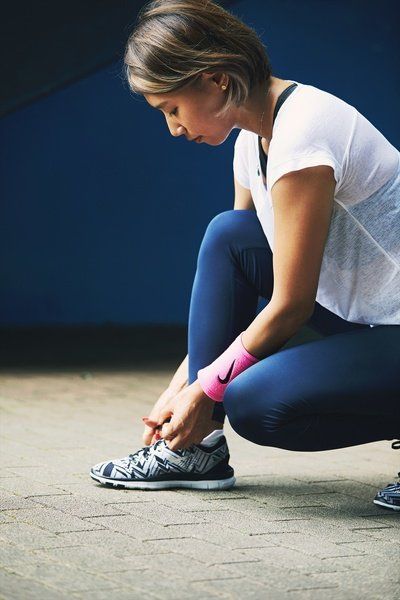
(243, 200)
(302, 203)
(181, 377)
(243, 197)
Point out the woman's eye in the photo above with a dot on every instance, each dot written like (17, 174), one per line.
(173, 113)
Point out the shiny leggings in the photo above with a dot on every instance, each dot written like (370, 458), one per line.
(340, 390)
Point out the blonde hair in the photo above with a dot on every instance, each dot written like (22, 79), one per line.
(174, 41)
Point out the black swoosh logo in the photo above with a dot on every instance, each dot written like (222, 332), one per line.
(228, 374)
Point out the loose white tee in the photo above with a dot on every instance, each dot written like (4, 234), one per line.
(360, 272)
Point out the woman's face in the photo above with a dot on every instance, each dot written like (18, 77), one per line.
(192, 112)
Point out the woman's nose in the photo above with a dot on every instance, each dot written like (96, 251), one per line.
(176, 130)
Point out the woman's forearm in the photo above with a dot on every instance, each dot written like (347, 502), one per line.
(181, 377)
(271, 329)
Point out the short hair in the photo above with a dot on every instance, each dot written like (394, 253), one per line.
(174, 41)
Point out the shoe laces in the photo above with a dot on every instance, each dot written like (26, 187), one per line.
(144, 452)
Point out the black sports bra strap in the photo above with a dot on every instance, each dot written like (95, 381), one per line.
(283, 96)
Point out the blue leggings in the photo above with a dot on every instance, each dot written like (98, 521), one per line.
(337, 391)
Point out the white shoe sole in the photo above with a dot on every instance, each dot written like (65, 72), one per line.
(205, 484)
(386, 505)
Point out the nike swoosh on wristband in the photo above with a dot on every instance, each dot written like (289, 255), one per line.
(228, 374)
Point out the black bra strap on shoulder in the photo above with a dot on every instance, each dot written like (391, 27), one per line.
(281, 99)
(285, 94)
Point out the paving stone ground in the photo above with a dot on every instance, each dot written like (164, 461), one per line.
(295, 526)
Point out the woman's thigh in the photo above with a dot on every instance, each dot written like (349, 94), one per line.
(345, 387)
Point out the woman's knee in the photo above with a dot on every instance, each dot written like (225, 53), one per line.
(226, 227)
(260, 413)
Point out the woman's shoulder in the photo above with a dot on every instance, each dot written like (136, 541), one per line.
(311, 104)
(312, 116)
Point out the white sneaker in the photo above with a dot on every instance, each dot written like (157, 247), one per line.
(157, 467)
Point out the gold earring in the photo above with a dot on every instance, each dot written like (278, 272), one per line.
(223, 87)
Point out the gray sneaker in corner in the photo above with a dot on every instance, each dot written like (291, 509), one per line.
(389, 496)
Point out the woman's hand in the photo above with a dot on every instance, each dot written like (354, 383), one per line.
(151, 434)
(191, 418)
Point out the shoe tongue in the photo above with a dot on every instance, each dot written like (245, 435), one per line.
(159, 443)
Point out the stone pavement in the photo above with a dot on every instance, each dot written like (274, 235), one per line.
(295, 526)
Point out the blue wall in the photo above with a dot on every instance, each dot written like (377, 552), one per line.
(103, 211)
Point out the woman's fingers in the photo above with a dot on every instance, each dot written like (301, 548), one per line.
(149, 422)
(164, 416)
(176, 443)
(153, 427)
(148, 436)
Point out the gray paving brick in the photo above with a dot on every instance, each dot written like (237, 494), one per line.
(235, 586)
(79, 507)
(337, 532)
(159, 513)
(298, 560)
(63, 577)
(184, 502)
(15, 587)
(119, 544)
(135, 526)
(360, 563)
(310, 544)
(28, 487)
(384, 534)
(390, 549)
(169, 588)
(205, 552)
(44, 474)
(243, 519)
(25, 534)
(91, 490)
(230, 538)
(128, 593)
(278, 577)
(361, 583)
(184, 567)
(52, 520)
(327, 593)
(89, 558)
(5, 518)
(12, 554)
(12, 501)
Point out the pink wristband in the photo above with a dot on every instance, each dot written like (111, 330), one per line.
(215, 377)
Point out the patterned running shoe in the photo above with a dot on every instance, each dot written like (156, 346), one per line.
(389, 497)
(157, 467)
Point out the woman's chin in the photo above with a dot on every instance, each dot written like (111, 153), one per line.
(214, 141)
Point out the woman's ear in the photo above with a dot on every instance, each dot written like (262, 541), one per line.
(215, 79)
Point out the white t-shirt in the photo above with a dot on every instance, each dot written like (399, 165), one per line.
(360, 271)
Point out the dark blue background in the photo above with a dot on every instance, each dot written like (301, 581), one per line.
(103, 211)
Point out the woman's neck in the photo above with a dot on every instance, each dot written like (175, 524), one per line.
(250, 114)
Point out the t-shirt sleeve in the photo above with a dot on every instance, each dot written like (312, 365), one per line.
(241, 160)
(313, 158)
(315, 130)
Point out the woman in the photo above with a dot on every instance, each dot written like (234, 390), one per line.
(314, 230)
